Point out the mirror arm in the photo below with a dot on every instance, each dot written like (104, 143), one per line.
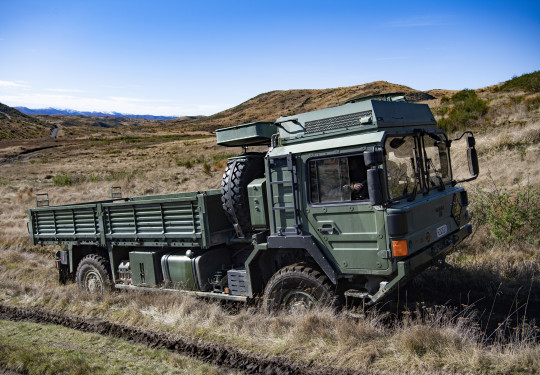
(461, 136)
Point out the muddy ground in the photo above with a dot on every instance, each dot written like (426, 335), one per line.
(209, 352)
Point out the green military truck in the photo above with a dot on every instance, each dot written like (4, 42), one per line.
(347, 203)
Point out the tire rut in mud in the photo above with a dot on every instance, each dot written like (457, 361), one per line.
(208, 352)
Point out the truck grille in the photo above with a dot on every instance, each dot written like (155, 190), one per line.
(338, 122)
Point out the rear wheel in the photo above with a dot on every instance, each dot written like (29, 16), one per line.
(298, 287)
(93, 274)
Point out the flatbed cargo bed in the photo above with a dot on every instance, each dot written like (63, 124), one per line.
(193, 219)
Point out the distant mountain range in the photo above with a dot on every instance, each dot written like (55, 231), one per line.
(70, 112)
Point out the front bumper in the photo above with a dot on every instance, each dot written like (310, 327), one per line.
(421, 260)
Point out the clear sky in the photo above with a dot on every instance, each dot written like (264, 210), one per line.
(200, 57)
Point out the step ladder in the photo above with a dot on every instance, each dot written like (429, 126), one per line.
(273, 163)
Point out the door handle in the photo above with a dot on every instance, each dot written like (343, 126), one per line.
(328, 230)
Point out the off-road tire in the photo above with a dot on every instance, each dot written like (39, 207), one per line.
(299, 287)
(93, 274)
(234, 195)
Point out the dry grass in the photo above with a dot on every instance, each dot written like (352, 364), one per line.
(434, 337)
(429, 339)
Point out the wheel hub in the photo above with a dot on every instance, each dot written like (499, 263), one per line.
(299, 300)
(93, 282)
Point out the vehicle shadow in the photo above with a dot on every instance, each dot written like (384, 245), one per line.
(495, 303)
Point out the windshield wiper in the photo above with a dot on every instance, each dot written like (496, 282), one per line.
(431, 166)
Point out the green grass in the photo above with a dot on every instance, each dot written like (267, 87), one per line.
(222, 156)
(64, 179)
(189, 163)
(207, 169)
(47, 349)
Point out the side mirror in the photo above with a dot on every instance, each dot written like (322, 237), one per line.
(373, 158)
(472, 157)
(376, 187)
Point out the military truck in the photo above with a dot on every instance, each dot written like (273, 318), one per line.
(346, 204)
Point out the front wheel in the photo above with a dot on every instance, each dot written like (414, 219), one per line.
(298, 287)
(93, 275)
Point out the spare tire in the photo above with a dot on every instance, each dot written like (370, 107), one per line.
(240, 171)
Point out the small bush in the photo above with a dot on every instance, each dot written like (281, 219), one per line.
(509, 215)
(207, 169)
(63, 179)
(467, 107)
(532, 102)
(122, 175)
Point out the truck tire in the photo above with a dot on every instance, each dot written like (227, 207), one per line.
(93, 274)
(234, 196)
(298, 287)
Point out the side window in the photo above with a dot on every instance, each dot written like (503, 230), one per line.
(340, 179)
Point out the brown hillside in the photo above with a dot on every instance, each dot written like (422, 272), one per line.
(16, 125)
(271, 105)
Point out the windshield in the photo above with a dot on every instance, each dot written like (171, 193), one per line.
(436, 161)
(416, 163)
(401, 165)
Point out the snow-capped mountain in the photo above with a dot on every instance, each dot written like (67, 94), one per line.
(56, 111)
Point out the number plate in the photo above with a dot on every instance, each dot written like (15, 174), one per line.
(442, 230)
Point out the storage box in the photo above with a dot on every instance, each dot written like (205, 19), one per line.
(145, 267)
(255, 133)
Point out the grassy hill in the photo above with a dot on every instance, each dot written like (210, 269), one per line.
(271, 105)
(15, 125)
(482, 108)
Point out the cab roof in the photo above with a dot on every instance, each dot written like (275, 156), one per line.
(355, 117)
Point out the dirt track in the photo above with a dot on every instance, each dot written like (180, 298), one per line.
(208, 352)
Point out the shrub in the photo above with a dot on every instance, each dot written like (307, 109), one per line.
(467, 106)
(206, 168)
(509, 215)
(63, 179)
(528, 82)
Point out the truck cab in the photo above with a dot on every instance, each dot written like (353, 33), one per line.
(364, 191)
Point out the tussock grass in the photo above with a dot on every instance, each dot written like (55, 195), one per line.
(426, 340)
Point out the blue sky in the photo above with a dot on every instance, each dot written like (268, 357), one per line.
(201, 57)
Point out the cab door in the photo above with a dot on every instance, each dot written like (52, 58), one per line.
(351, 230)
